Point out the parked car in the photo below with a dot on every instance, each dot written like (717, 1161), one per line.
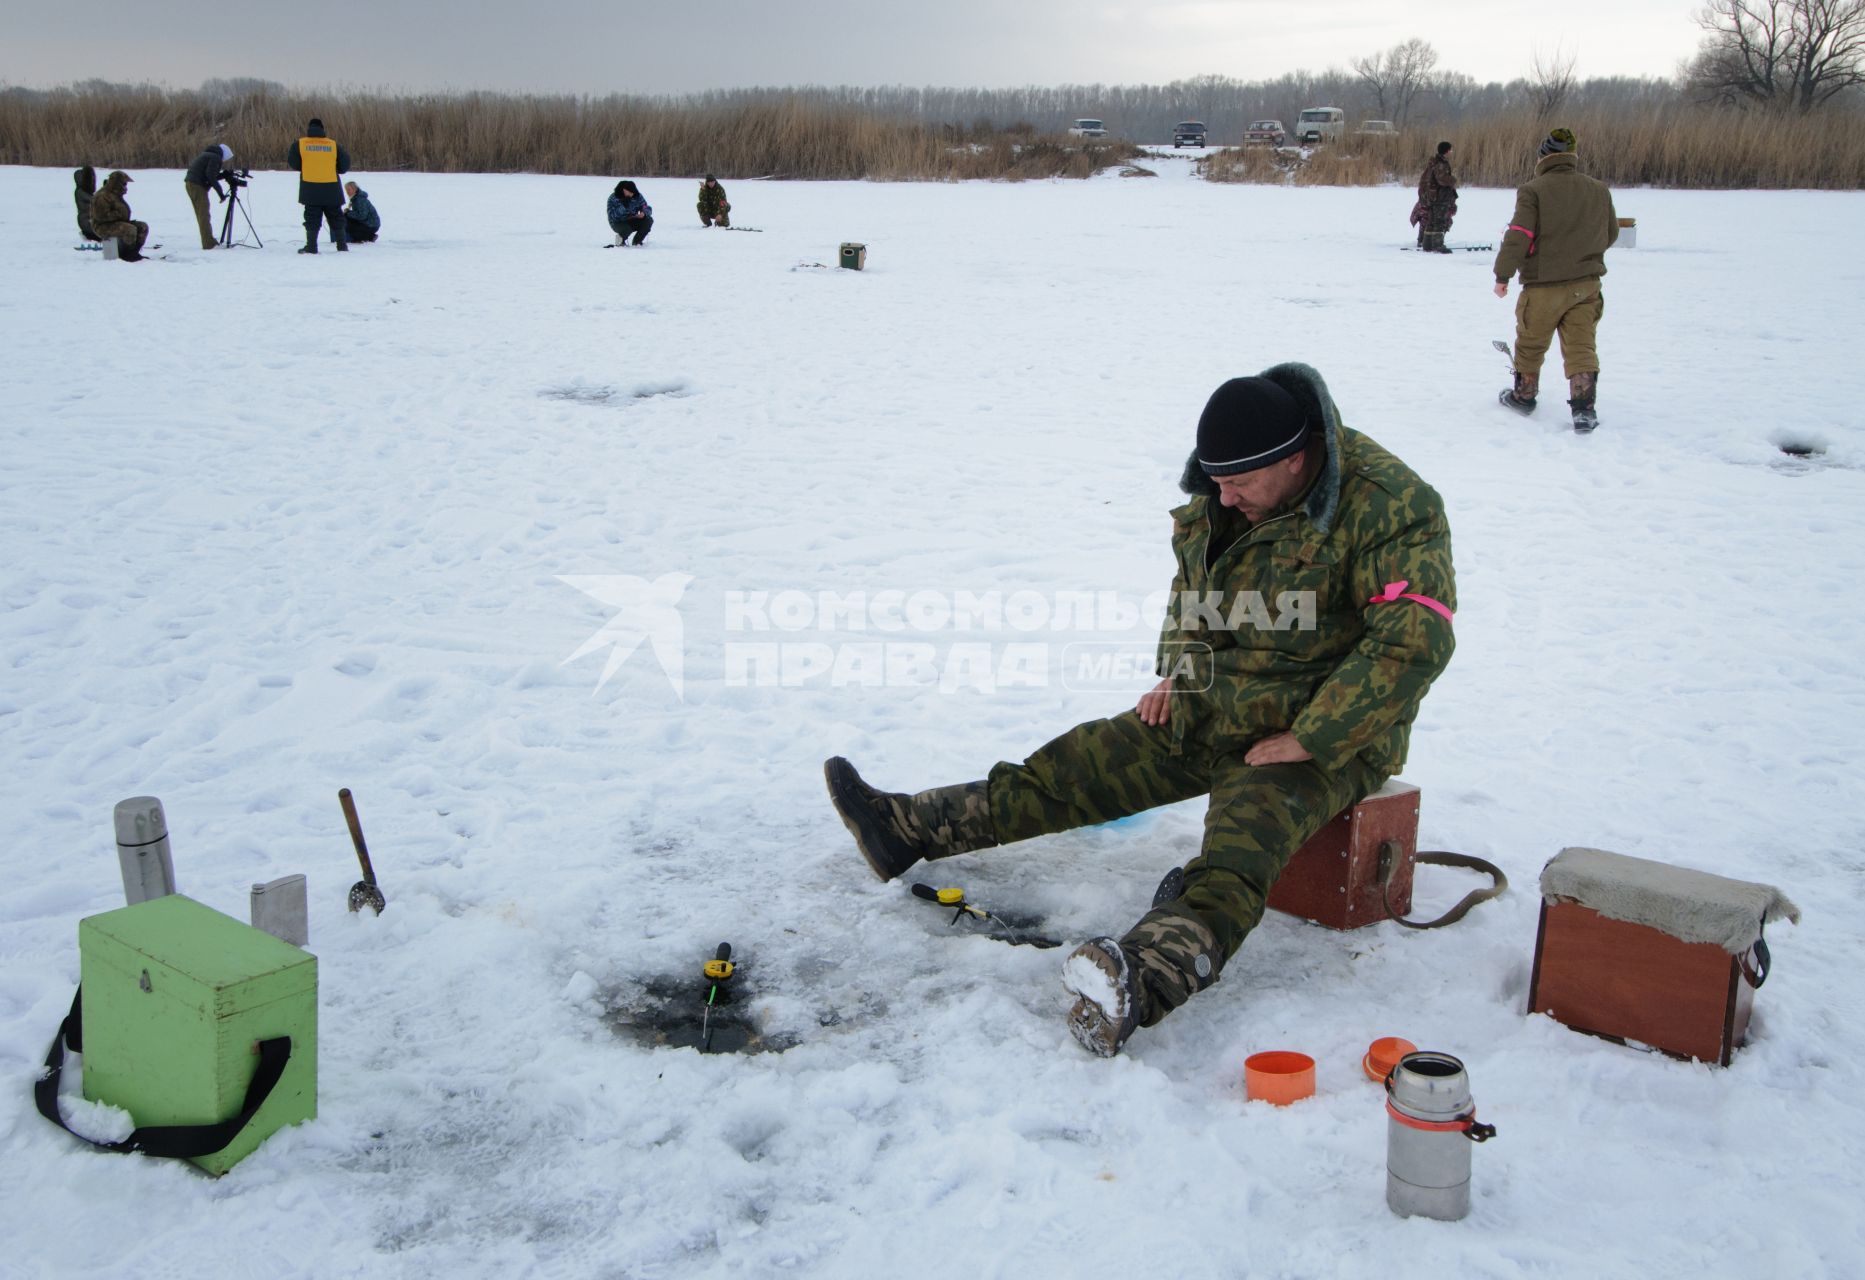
(1376, 128)
(1189, 133)
(1264, 133)
(1320, 124)
(1086, 128)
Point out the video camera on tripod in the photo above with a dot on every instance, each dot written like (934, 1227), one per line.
(236, 179)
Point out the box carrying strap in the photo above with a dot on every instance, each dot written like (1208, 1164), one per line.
(1389, 867)
(185, 1141)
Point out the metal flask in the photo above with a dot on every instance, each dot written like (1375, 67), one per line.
(1430, 1127)
(142, 849)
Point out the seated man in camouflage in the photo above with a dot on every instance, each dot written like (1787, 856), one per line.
(110, 217)
(1283, 720)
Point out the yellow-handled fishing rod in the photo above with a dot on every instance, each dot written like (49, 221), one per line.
(718, 971)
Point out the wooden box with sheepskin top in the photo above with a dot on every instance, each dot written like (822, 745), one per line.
(1651, 954)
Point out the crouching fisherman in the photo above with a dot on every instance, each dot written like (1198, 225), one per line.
(629, 214)
(361, 222)
(714, 209)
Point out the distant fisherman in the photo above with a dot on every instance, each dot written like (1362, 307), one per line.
(84, 191)
(110, 217)
(1564, 222)
(319, 161)
(361, 222)
(629, 213)
(714, 209)
(1437, 201)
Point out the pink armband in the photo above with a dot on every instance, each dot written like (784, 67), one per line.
(1397, 591)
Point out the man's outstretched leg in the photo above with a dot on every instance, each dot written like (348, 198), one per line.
(1096, 772)
(894, 831)
(1259, 817)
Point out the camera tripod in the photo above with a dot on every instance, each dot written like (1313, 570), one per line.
(226, 228)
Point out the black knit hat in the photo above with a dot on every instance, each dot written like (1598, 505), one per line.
(315, 127)
(1443, 147)
(1249, 423)
(1557, 141)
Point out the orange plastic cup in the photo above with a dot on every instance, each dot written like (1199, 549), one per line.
(1383, 1055)
(1279, 1077)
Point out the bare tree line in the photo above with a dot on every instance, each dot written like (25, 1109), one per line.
(1786, 55)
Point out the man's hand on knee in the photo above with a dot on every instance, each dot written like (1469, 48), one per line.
(1278, 748)
(1156, 704)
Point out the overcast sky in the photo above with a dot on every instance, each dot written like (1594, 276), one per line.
(587, 46)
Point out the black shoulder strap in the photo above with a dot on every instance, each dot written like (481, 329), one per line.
(182, 1140)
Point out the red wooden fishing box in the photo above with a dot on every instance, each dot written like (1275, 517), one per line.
(1335, 879)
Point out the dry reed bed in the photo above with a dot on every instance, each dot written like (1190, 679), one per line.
(797, 136)
(1684, 147)
(498, 133)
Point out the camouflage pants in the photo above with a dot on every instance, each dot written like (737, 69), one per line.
(1257, 818)
(1572, 309)
(131, 235)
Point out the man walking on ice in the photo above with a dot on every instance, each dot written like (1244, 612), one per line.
(1282, 721)
(1564, 222)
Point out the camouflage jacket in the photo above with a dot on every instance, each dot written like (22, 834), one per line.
(1437, 184)
(109, 208)
(712, 200)
(1272, 627)
(1563, 224)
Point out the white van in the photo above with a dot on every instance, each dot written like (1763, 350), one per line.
(1320, 124)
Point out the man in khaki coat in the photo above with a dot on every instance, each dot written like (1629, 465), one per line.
(1564, 222)
(110, 217)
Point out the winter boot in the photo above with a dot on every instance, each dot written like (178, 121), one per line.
(1163, 961)
(343, 246)
(1438, 245)
(1108, 998)
(894, 831)
(1521, 396)
(309, 248)
(1584, 387)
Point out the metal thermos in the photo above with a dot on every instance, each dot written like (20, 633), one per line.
(142, 849)
(1430, 1127)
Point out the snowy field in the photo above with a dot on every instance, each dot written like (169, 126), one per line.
(275, 525)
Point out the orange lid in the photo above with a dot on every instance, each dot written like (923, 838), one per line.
(1383, 1055)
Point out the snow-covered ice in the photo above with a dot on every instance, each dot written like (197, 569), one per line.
(274, 525)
